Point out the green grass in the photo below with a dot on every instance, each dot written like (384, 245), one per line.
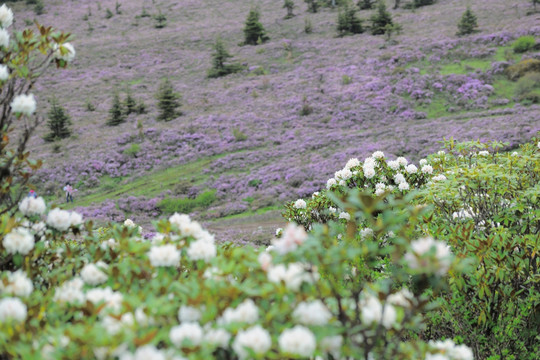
(466, 66)
(249, 213)
(436, 109)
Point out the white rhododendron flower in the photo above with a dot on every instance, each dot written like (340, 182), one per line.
(332, 345)
(292, 236)
(451, 350)
(403, 186)
(4, 73)
(112, 299)
(483, 153)
(145, 352)
(439, 178)
(165, 255)
(108, 244)
(217, 337)
(422, 246)
(411, 169)
(68, 50)
(6, 16)
(246, 312)
(369, 172)
(354, 162)
(298, 341)
(399, 178)
(366, 233)
(312, 313)
(59, 219)
(427, 169)
(4, 40)
(402, 161)
(372, 311)
(188, 314)
(70, 292)
(19, 241)
(344, 215)
(255, 338)
(402, 298)
(378, 155)
(202, 250)
(23, 104)
(422, 162)
(191, 333)
(75, 219)
(292, 275)
(32, 206)
(393, 164)
(265, 259)
(330, 183)
(129, 223)
(343, 174)
(12, 309)
(18, 284)
(300, 204)
(92, 275)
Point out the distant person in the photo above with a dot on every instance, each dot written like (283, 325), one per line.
(32, 193)
(69, 192)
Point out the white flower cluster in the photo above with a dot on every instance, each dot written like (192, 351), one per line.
(297, 341)
(19, 241)
(416, 259)
(92, 275)
(32, 206)
(112, 299)
(372, 311)
(68, 52)
(189, 333)
(300, 204)
(204, 247)
(188, 314)
(165, 255)
(62, 220)
(265, 260)
(23, 104)
(292, 275)
(255, 338)
(12, 309)
(130, 224)
(6, 16)
(447, 350)
(70, 292)
(246, 312)
(144, 353)
(217, 337)
(292, 237)
(312, 313)
(18, 284)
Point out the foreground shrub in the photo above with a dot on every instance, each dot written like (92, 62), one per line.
(523, 44)
(488, 211)
(528, 87)
(26, 56)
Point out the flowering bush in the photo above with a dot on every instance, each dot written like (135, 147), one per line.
(25, 56)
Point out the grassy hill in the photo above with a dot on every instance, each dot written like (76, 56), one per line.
(304, 104)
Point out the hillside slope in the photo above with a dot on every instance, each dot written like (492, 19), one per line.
(244, 135)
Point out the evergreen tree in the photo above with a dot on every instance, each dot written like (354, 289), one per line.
(254, 32)
(468, 23)
(381, 20)
(130, 103)
(116, 112)
(58, 122)
(365, 4)
(313, 5)
(289, 5)
(168, 102)
(348, 22)
(219, 59)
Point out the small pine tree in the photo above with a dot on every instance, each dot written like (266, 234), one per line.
(381, 20)
(116, 112)
(168, 102)
(254, 32)
(348, 22)
(58, 122)
(308, 26)
(219, 59)
(130, 103)
(468, 23)
(289, 5)
(161, 21)
(313, 5)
